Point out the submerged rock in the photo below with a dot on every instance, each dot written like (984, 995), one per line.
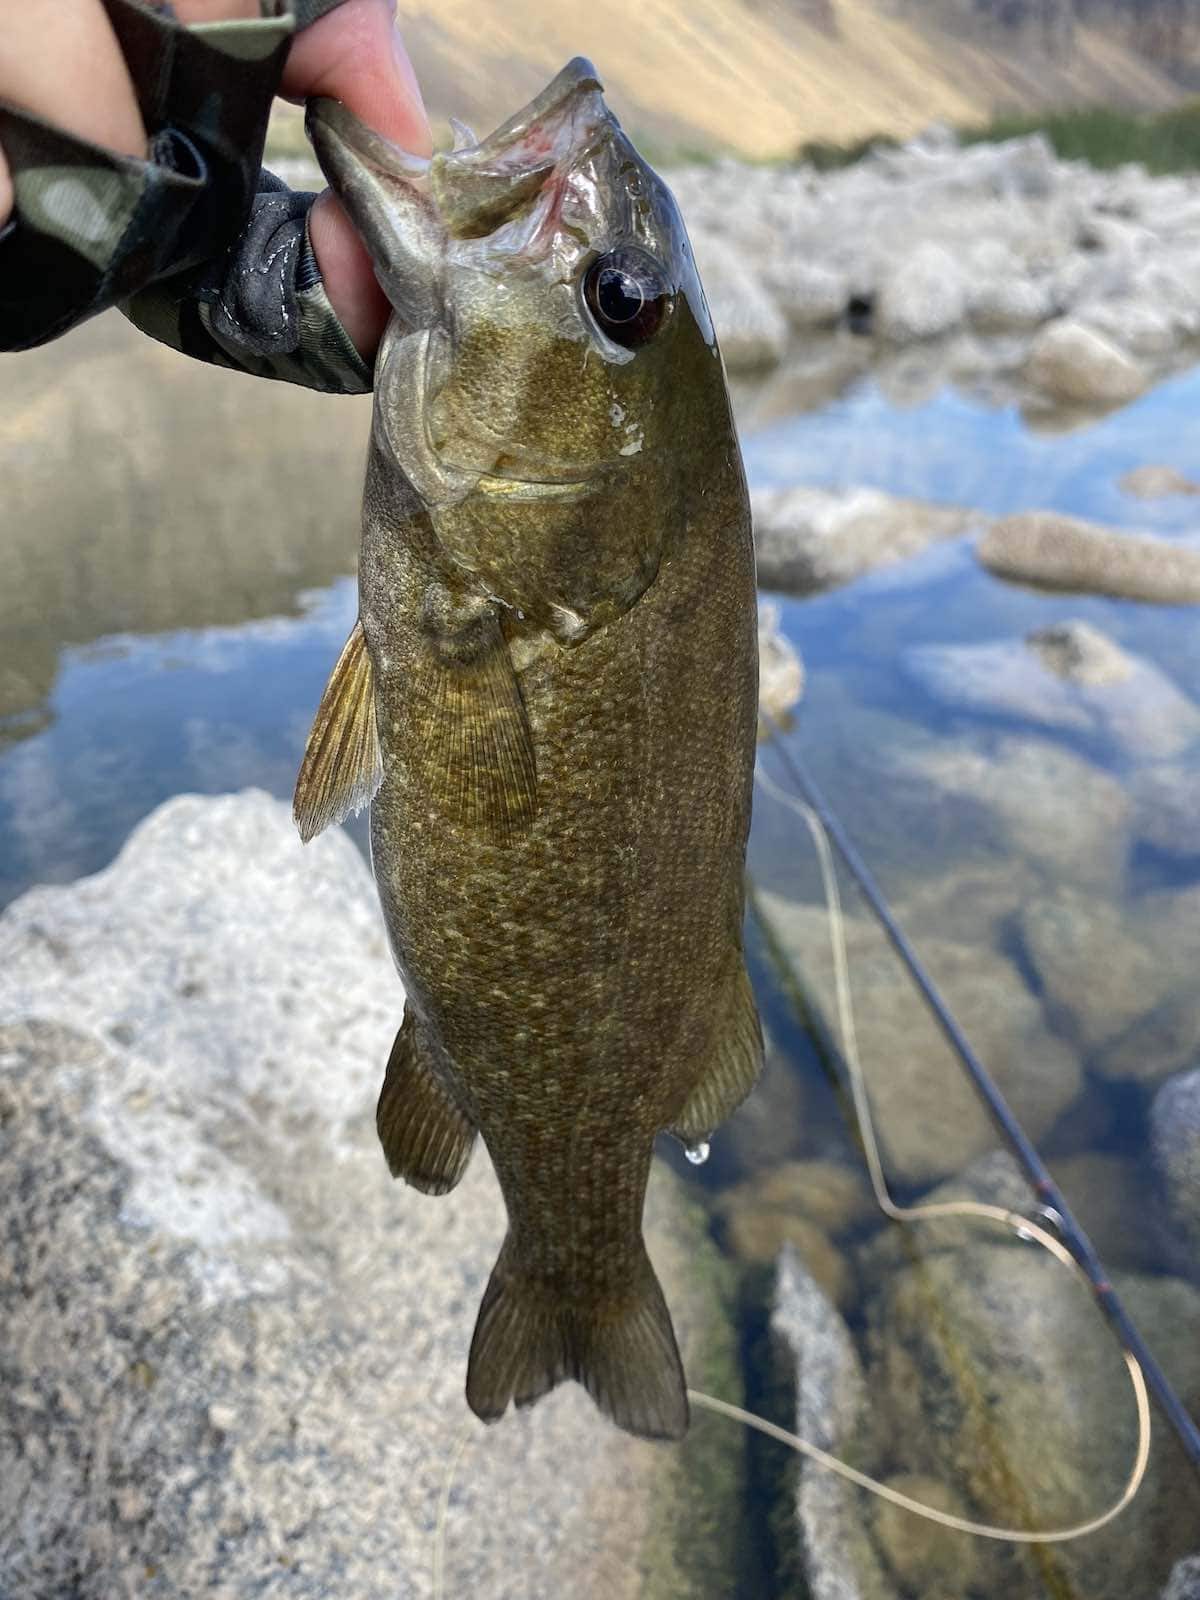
(226, 1336)
(756, 1235)
(813, 539)
(928, 1560)
(1097, 975)
(833, 1196)
(1110, 1197)
(995, 1373)
(1166, 1037)
(927, 1117)
(1167, 815)
(1076, 365)
(1057, 552)
(1068, 676)
(1184, 1582)
(832, 1411)
(1156, 483)
(1175, 1144)
(771, 1125)
(1043, 803)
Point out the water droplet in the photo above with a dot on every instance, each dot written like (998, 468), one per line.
(697, 1154)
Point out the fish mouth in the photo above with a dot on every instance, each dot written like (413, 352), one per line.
(480, 186)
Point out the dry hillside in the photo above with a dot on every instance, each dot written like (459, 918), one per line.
(761, 76)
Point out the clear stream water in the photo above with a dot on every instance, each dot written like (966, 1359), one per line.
(175, 582)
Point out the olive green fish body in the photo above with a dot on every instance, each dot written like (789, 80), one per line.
(557, 609)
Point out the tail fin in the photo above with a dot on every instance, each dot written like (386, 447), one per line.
(623, 1351)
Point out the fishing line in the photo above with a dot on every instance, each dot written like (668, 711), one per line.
(1024, 1227)
(443, 1510)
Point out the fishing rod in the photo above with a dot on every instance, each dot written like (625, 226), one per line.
(1053, 1206)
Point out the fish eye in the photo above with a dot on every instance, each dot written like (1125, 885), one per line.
(628, 296)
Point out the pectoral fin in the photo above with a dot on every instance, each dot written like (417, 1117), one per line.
(479, 758)
(426, 1138)
(342, 766)
(734, 1065)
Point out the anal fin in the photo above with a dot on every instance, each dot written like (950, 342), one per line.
(342, 765)
(426, 1138)
(733, 1066)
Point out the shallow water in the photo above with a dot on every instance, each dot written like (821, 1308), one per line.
(175, 583)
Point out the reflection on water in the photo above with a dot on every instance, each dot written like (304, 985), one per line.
(174, 585)
(145, 493)
(951, 448)
(144, 717)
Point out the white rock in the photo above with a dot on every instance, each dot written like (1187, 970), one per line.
(1074, 364)
(1010, 302)
(751, 329)
(922, 296)
(212, 1291)
(780, 670)
(1067, 553)
(810, 539)
(810, 294)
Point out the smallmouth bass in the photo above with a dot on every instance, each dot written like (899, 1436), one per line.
(550, 702)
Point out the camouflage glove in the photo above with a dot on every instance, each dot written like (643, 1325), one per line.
(200, 248)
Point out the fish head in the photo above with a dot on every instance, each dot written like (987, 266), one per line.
(550, 379)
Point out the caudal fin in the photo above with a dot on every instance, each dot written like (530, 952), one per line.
(623, 1351)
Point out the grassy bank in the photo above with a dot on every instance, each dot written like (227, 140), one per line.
(1168, 141)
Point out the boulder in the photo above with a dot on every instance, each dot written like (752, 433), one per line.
(809, 293)
(1048, 806)
(232, 1350)
(1001, 303)
(994, 1373)
(814, 539)
(751, 329)
(1097, 973)
(780, 670)
(922, 296)
(1175, 1146)
(1075, 365)
(1184, 1582)
(1166, 1037)
(1058, 552)
(927, 1560)
(928, 1119)
(837, 1558)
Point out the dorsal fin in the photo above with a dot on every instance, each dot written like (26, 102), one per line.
(343, 765)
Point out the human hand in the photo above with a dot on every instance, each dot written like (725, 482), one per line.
(60, 60)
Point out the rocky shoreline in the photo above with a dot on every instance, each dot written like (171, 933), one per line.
(232, 1351)
(1078, 288)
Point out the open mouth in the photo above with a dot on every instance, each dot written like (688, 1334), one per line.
(480, 186)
